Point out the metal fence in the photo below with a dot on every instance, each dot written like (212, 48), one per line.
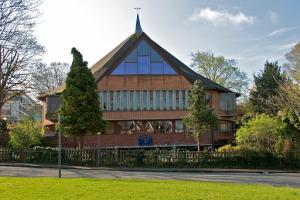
(150, 158)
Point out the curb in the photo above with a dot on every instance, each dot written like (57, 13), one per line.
(203, 170)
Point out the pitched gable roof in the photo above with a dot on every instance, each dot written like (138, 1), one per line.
(115, 56)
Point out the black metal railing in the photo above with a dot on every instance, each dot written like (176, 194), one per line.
(151, 158)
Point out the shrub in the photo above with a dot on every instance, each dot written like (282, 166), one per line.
(262, 133)
(229, 149)
(25, 134)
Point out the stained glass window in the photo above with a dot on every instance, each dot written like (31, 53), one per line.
(157, 68)
(168, 69)
(143, 60)
(130, 68)
(144, 65)
(119, 70)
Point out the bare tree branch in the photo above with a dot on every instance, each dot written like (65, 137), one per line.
(19, 49)
(46, 78)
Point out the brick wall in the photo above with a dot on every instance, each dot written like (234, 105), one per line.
(125, 140)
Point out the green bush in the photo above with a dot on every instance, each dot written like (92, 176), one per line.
(229, 149)
(262, 133)
(25, 134)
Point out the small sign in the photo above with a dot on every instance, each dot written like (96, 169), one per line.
(145, 140)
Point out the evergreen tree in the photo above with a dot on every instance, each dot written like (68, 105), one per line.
(200, 117)
(267, 84)
(80, 113)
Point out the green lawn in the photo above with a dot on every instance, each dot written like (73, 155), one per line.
(79, 188)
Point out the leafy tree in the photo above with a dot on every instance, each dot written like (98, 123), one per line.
(46, 78)
(288, 98)
(263, 133)
(25, 134)
(80, 111)
(200, 117)
(19, 49)
(291, 90)
(293, 67)
(267, 84)
(244, 112)
(221, 70)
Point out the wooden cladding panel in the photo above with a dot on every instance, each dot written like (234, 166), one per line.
(170, 82)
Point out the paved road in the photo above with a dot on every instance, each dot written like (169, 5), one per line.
(277, 179)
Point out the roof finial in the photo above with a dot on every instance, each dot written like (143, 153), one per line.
(138, 28)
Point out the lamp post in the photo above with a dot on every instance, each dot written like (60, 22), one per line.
(60, 119)
(98, 149)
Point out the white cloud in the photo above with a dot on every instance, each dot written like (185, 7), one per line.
(273, 16)
(221, 17)
(280, 31)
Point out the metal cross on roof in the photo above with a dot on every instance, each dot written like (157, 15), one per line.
(137, 9)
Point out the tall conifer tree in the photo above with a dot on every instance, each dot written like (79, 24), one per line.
(267, 84)
(80, 113)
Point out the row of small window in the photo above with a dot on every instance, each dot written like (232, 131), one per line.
(164, 126)
(158, 126)
(143, 100)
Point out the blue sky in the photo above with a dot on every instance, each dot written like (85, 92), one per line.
(249, 31)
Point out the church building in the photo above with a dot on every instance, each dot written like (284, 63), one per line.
(143, 92)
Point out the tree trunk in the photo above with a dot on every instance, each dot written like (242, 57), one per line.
(81, 139)
(198, 143)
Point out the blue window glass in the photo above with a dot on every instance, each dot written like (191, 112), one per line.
(130, 100)
(177, 99)
(155, 57)
(132, 57)
(151, 100)
(168, 69)
(118, 101)
(157, 100)
(104, 101)
(179, 126)
(124, 101)
(157, 68)
(180, 99)
(111, 101)
(119, 70)
(144, 101)
(164, 100)
(143, 48)
(171, 100)
(184, 99)
(130, 68)
(137, 100)
(144, 64)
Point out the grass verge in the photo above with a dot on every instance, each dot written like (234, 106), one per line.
(82, 188)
